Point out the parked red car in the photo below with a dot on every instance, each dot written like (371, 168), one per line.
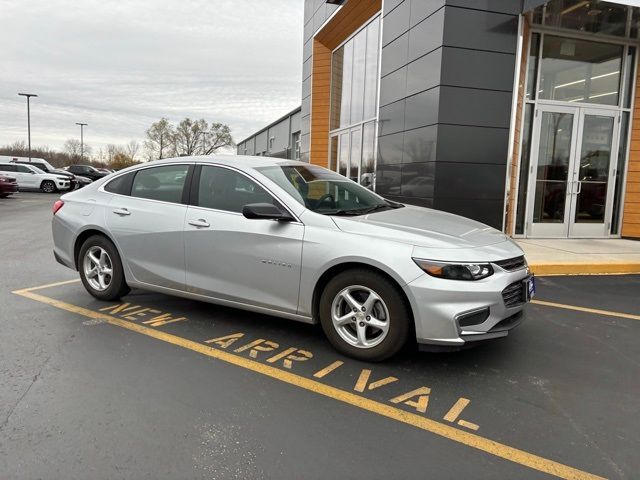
(8, 185)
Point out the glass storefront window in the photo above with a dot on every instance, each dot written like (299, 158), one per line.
(524, 169)
(587, 16)
(354, 105)
(620, 166)
(354, 78)
(628, 86)
(532, 66)
(582, 71)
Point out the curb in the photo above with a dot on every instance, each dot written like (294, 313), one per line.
(542, 269)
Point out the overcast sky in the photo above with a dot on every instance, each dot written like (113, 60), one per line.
(121, 65)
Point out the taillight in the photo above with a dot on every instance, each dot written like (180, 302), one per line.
(57, 206)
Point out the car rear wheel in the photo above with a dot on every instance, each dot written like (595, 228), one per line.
(364, 315)
(48, 186)
(101, 269)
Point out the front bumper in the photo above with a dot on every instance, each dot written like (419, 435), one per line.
(63, 184)
(6, 188)
(447, 312)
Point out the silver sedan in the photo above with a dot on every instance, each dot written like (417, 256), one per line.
(298, 241)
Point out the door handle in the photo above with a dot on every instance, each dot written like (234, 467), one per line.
(199, 223)
(123, 212)
(579, 188)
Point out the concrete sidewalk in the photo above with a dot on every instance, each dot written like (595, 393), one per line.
(581, 256)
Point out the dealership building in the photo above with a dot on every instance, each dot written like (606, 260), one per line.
(518, 113)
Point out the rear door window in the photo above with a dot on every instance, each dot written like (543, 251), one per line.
(121, 185)
(165, 183)
(8, 168)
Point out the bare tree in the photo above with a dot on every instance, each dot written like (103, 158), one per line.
(159, 138)
(218, 136)
(72, 147)
(132, 149)
(187, 137)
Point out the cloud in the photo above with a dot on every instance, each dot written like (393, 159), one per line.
(119, 66)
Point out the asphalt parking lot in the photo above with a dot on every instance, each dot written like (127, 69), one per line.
(160, 387)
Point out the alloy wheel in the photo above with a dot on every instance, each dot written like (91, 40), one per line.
(98, 268)
(360, 316)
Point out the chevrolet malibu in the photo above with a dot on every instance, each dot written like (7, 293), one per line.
(298, 241)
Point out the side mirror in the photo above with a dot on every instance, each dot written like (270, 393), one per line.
(265, 211)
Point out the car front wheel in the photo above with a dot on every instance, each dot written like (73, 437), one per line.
(364, 315)
(101, 269)
(48, 186)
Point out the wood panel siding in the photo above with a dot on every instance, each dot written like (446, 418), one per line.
(631, 210)
(346, 21)
(515, 157)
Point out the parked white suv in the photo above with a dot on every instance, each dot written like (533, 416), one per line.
(30, 177)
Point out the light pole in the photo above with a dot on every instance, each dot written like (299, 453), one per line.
(28, 95)
(82, 125)
(204, 142)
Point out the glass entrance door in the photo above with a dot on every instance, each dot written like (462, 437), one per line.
(570, 189)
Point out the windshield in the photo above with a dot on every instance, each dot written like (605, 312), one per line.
(36, 169)
(324, 191)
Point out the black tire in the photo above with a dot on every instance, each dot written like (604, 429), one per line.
(4, 195)
(118, 286)
(400, 317)
(48, 186)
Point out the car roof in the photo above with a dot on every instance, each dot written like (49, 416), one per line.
(244, 161)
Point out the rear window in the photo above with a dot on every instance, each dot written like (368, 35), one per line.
(121, 185)
(8, 168)
(164, 183)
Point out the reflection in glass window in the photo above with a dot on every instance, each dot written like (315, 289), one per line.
(580, 71)
(587, 16)
(160, 183)
(532, 66)
(354, 78)
(367, 168)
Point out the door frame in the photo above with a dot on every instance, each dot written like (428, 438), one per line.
(569, 228)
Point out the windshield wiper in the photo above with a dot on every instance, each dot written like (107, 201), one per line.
(359, 211)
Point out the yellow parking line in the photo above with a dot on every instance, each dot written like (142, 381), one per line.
(48, 285)
(470, 439)
(587, 310)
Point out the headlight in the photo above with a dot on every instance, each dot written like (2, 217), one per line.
(62, 178)
(455, 271)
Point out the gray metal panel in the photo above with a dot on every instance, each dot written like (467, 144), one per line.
(390, 149)
(474, 181)
(251, 146)
(513, 7)
(427, 35)
(391, 118)
(394, 55)
(261, 142)
(422, 109)
(465, 106)
(280, 134)
(479, 30)
(420, 145)
(477, 69)
(389, 5)
(307, 49)
(395, 23)
(418, 180)
(393, 86)
(295, 122)
(306, 88)
(457, 143)
(421, 9)
(306, 68)
(424, 73)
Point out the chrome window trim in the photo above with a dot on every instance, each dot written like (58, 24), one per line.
(208, 163)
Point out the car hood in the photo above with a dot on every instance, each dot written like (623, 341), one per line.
(422, 227)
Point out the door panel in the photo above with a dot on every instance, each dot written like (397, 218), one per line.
(554, 149)
(233, 258)
(150, 238)
(249, 261)
(592, 175)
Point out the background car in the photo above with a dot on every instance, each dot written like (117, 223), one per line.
(46, 167)
(106, 171)
(299, 241)
(8, 186)
(30, 177)
(86, 171)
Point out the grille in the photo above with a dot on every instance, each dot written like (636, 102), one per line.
(513, 295)
(512, 264)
